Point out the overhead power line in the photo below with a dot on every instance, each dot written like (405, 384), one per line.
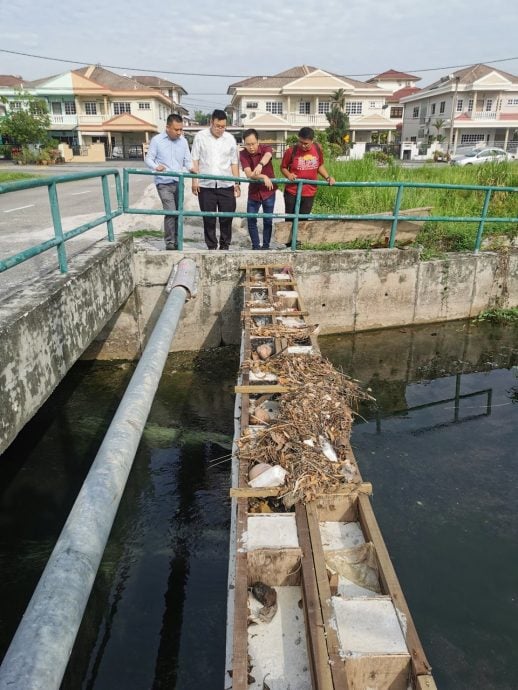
(234, 76)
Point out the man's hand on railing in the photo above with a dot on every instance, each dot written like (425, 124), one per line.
(195, 187)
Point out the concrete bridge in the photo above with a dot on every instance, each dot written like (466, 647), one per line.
(106, 306)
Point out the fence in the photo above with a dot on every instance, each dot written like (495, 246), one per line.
(60, 236)
(396, 215)
(122, 194)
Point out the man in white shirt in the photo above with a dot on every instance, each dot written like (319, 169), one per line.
(214, 152)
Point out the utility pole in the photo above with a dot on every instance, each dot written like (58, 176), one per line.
(452, 115)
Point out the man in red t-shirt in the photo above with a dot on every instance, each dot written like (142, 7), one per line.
(305, 161)
(256, 161)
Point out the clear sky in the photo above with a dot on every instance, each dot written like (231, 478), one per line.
(356, 38)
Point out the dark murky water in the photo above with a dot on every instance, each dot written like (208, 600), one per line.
(441, 453)
(443, 465)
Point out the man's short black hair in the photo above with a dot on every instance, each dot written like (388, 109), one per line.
(307, 133)
(174, 117)
(218, 115)
(249, 132)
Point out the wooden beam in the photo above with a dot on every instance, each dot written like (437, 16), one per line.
(240, 632)
(262, 388)
(317, 648)
(425, 683)
(338, 671)
(347, 490)
(391, 584)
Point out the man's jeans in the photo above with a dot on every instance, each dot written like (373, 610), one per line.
(168, 194)
(253, 206)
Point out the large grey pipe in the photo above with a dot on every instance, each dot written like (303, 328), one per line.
(41, 647)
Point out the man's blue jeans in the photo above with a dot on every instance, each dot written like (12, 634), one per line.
(254, 206)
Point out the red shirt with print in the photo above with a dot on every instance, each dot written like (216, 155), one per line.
(305, 165)
(257, 191)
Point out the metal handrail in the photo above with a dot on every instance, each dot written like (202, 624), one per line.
(395, 216)
(60, 236)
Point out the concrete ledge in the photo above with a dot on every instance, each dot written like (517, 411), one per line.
(46, 327)
(348, 291)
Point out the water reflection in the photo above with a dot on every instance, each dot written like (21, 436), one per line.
(440, 451)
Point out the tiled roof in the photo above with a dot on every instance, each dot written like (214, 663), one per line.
(109, 79)
(157, 82)
(468, 75)
(392, 74)
(11, 80)
(401, 93)
(284, 78)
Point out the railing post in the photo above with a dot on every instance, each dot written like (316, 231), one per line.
(181, 192)
(58, 228)
(483, 215)
(118, 191)
(295, 225)
(107, 207)
(125, 194)
(397, 206)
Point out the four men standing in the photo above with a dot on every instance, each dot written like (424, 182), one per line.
(214, 152)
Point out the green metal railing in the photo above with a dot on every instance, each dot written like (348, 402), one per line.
(396, 215)
(122, 195)
(61, 236)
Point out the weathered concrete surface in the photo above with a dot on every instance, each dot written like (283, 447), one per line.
(45, 328)
(348, 291)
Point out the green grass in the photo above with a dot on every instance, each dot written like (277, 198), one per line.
(435, 237)
(14, 176)
(498, 316)
(147, 233)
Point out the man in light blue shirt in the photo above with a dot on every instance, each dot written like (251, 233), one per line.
(169, 151)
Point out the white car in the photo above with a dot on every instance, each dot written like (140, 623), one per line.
(476, 156)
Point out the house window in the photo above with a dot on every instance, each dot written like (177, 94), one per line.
(324, 107)
(413, 140)
(489, 104)
(460, 103)
(144, 106)
(252, 105)
(442, 106)
(16, 105)
(91, 108)
(274, 107)
(470, 105)
(55, 107)
(120, 108)
(70, 108)
(415, 111)
(372, 105)
(304, 107)
(396, 111)
(471, 138)
(512, 101)
(353, 107)
(433, 109)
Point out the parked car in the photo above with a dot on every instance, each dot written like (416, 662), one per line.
(476, 156)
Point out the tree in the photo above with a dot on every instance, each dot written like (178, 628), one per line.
(29, 124)
(439, 124)
(338, 120)
(201, 117)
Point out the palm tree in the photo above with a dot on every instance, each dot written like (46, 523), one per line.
(338, 99)
(439, 124)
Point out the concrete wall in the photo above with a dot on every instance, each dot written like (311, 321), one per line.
(46, 327)
(349, 291)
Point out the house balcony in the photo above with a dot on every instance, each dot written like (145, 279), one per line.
(307, 120)
(479, 115)
(92, 119)
(63, 121)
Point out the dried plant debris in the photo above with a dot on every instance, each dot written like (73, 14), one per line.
(309, 435)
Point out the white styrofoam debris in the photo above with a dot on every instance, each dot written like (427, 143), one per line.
(341, 535)
(271, 531)
(278, 653)
(368, 626)
(349, 589)
(263, 377)
(300, 350)
(282, 276)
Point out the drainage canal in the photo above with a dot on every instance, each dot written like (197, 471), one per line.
(440, 451)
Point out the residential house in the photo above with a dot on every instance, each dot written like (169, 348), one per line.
(477, 105)
(173, 91)
(93, 105)
(280, 105)
(400, 84)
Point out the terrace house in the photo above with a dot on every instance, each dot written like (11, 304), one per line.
(280, 105)
(477, 105)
